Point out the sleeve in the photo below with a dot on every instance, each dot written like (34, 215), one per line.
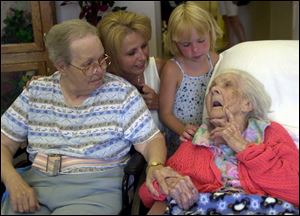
(137, 121)
(271, 168)
(14, 122)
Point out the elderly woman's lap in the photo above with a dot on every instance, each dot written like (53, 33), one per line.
(88, 193)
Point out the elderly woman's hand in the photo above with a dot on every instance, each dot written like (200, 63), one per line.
(22, 197)
(160, 174)
(150, 98)
(183, 191)
(230, 132)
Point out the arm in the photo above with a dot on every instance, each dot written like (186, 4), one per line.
(170, 80)
(154, 150)
(272, 167)
(22, 196)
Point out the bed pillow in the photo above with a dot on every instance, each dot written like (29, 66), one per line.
(276, 64)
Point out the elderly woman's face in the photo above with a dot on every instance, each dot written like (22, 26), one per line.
(134, 54)
(84, 70)
(225, 91)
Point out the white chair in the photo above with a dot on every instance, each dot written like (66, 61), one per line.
(276, 64)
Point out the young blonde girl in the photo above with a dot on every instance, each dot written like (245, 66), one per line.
(191, 39)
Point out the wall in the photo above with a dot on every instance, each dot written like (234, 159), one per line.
(263, 20)
(269, 20)
(149, 8)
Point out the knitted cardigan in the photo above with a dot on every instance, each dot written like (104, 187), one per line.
(270, 168)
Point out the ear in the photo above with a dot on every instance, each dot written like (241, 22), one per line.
(246, 106)
(60, 65)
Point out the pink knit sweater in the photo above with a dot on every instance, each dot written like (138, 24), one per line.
(271, 168)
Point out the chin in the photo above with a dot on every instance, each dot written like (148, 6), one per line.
(216, 114)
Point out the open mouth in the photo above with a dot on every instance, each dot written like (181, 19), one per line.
(217, 104)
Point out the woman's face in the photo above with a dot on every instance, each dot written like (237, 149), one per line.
(225, 91)
(84, 70)
(194, 47)
(134, 54)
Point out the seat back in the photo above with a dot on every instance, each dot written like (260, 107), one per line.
(275, 63)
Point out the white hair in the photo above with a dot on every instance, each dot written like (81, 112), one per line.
(254, 90)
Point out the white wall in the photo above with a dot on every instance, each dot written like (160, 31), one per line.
(149, 8)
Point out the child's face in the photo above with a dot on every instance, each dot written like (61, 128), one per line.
(195, 46)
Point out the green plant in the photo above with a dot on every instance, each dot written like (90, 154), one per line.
(92, 11)
(18, 27)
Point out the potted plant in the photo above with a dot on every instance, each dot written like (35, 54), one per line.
(93, 11)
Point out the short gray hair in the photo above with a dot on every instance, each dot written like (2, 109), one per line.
(60, 36)
(255, 91)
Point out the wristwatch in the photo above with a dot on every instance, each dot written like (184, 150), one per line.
(152, 164)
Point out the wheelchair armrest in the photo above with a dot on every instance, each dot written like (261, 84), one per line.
(133, 176)
(135, 165)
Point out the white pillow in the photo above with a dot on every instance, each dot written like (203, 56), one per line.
(276, 64)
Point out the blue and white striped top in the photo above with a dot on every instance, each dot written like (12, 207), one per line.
(104, 127)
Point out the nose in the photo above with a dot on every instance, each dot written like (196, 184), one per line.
(97, 69)
(215, 90)
(195, 47)
(142, 54)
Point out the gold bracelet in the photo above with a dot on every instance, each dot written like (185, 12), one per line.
(153, 164)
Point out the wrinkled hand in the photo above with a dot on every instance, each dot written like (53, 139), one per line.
(183, 191)
(22, 196)
(150, 97)
(160, 174)
(188, 133)
(229, 131)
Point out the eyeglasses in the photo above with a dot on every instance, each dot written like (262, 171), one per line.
(103, 63)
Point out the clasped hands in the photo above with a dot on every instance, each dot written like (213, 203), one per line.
(175, 186)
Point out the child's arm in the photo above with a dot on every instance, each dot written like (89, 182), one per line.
(171, 77)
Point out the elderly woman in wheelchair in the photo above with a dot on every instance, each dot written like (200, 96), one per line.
(240, 161)
(80, 123)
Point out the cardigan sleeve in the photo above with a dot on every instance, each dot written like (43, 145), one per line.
(272, 167)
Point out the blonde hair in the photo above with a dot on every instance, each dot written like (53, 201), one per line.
(60, 36)
(187, 16)
(254, 91)
(115, 26)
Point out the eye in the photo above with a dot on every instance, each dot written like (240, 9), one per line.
(201, 41)
(131, 52)
(227, 84)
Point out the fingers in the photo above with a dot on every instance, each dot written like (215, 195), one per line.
(183, 194)
(25, 202)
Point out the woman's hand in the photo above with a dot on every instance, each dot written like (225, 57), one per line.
(229, 131)
(22, 197)
(183, 191)
(150, 97)
(188, 133)
(160, 174)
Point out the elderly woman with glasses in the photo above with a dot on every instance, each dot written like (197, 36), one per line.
(80, 124)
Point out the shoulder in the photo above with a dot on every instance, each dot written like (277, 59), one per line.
(159, 64)
(44, 83)
(276, 132)
(114, 80)
(171, 67)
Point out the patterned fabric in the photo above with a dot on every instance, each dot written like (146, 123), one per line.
(232, 203)
(224, 156)
(104, 127)
(189, 102)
